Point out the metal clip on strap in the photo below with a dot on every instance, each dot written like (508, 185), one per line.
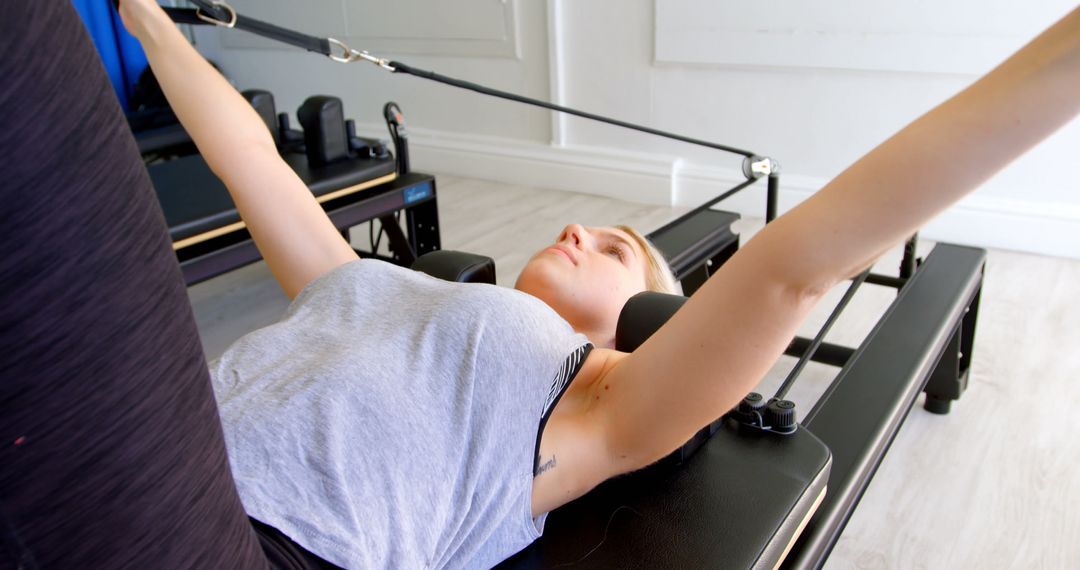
(349, 55)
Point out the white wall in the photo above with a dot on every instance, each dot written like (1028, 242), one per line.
(813, 86)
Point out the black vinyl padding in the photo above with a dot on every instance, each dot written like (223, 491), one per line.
(195, 201)
(457, 266)
(643, 315)
(733, 504)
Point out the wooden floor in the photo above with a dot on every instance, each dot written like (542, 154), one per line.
(995, 484)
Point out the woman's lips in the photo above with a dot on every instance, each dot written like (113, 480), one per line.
(560, 251)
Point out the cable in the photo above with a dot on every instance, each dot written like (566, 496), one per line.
(221, 14)
(399, 67)
(810, 350)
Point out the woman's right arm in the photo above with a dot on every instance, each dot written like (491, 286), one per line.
(290, 228)
(728, 335)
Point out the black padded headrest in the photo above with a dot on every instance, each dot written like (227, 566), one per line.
(263, 103)
(323, 120)
(643, 315)
(457, 266)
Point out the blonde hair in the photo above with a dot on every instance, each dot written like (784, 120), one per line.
(658, 276)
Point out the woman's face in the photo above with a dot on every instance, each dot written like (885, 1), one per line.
(587, 276)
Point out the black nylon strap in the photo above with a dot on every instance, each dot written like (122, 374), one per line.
(403, 68)
(322, 46)
(258, 27)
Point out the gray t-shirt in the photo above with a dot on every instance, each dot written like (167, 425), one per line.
(391, 419)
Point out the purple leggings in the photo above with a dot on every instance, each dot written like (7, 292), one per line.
(111, 449)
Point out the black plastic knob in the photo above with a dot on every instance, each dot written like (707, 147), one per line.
(780, 415)
(751, 403)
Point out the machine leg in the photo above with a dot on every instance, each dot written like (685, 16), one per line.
(694, 280)
(422, 221)
(950, 377)
(400, 247)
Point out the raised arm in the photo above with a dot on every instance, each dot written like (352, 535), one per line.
(290, 228)
(693, 369)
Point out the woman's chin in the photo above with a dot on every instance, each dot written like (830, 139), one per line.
(542, 274)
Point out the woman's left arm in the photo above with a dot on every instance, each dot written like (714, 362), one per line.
(693, 370)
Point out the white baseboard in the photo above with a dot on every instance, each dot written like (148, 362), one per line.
(983, 221)
(635, 177)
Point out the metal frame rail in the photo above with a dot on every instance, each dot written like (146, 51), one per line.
(916, 344)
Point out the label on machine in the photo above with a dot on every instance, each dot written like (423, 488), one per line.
(414, 194)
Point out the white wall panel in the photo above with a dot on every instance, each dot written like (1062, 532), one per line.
(939, 36)
(463, 27)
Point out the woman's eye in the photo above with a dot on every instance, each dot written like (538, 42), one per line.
(617, 252)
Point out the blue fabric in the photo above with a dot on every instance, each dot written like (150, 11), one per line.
(120, 52)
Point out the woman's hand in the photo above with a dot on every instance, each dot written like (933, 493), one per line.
(138, 14)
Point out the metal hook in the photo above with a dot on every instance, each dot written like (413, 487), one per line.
(348, 56)
(218, 4)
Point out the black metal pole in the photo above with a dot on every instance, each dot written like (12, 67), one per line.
(794, 374)
(910, 262)
(886, 280)
(827, 353)
(705, 206)
(772, 198)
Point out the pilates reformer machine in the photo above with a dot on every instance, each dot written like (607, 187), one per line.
(759, 487)
(355, 179)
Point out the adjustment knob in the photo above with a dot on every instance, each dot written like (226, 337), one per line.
(780, 415)
(751, 403)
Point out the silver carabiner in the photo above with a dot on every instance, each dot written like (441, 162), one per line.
(348, 54)
(218, 4)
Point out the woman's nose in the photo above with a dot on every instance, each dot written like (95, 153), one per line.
(573, 234)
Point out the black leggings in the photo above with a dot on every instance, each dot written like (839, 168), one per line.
(111, 449)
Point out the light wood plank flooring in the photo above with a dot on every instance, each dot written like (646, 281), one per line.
(995, 484)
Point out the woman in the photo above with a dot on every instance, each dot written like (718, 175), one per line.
(444, 441)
